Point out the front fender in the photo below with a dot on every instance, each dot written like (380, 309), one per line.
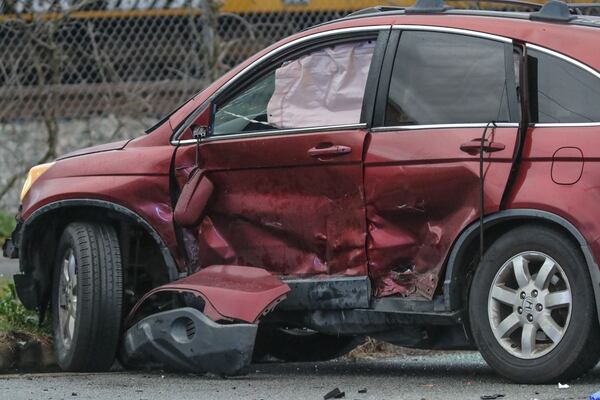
(30, 291)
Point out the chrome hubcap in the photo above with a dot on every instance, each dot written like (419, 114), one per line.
(67, 299)
(529, 305)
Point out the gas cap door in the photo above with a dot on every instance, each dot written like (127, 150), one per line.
(567, 165)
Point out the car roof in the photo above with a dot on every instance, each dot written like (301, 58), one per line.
(554, 11)
(571, 35)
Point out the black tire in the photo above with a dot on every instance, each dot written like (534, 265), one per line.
(298, 345)
(579, 348)
(92, 345)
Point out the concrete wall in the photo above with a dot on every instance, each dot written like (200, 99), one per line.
(22, 144)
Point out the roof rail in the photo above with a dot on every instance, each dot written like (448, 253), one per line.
(554, 11)
(579, 7)
(427, 7)
(521, 3)
(373, 10)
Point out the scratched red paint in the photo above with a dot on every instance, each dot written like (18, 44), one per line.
(391, 208)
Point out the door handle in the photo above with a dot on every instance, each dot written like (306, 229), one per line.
(331, 150)
(474, 146)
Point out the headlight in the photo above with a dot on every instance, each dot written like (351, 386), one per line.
(32, 176)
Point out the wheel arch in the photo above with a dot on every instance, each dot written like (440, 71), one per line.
(460, 260)
(43, 228)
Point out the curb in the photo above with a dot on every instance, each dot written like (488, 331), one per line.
(21, 353)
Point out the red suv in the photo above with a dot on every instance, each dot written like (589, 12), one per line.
(426, 176)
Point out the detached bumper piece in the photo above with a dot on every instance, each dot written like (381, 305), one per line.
(186, 340)
(190, 340)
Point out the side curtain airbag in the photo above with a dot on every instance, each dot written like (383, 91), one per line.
(322, 88)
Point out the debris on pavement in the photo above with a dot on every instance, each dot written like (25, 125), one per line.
(364, 390)
(563, 386)
(492, 396)
(335, 394)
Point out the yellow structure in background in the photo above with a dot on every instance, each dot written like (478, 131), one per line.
(270, 6)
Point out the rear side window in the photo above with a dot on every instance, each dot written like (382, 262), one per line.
(561, 92)
(444, 78)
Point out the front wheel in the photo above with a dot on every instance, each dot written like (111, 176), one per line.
(532, 307)
(87, 297)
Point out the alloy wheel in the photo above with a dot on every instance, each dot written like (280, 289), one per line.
(67, 299)
(529, 305)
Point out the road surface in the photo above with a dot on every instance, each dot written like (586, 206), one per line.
(445, 375)
(8, 267)
(441, 375)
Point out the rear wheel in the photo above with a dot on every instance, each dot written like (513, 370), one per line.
(87, 297)
(302, 345)
(532, 307)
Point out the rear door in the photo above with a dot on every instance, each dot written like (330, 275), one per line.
(286, 157)
(441, 89)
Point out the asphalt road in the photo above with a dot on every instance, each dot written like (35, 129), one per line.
(8, 267)
(441, 375)
(445, 375)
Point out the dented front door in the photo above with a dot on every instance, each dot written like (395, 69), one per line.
(422, 163)
(278, 206)
(285, 156)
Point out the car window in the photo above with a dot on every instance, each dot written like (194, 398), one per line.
(322, 88)
(561, 92)
(444, 78)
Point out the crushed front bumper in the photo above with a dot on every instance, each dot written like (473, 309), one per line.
(184, 339)
(220, 338)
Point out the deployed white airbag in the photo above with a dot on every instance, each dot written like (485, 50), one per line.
(322, 88)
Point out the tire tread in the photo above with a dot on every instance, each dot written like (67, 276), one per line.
(100, 281)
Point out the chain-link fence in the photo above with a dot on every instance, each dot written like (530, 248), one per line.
(74, 73)
(70, 64)
(77, 72)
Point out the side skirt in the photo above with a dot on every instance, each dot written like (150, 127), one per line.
(335, 293)
(345, 306)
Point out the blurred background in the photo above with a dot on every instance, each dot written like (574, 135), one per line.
(74, 73)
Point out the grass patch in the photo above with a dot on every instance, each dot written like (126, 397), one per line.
(14, 318)
(7, 225)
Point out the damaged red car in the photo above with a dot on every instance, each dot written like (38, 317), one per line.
(425, 176)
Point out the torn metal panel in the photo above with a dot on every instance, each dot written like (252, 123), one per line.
(231, 292)
(184, 339)
(419, 197)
